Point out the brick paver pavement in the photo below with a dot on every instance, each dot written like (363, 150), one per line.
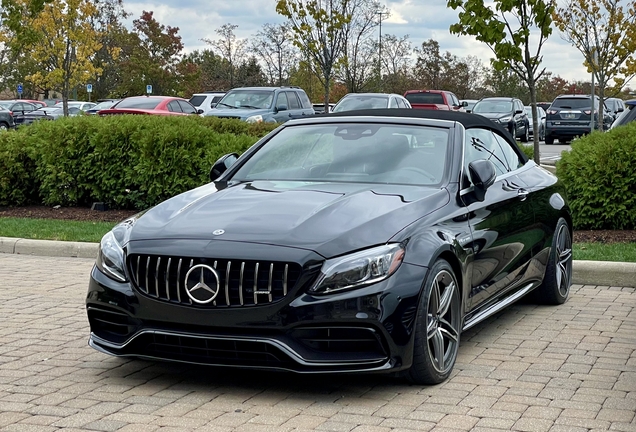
(530, 368)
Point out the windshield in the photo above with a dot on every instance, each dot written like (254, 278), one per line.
(350, 103)
(6, 104)
(254, 99)
(492, 107)
(139, 103)
(104, 105)
(425, 98)
(362, 153)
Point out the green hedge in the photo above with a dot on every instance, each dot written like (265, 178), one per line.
(126, 161)
(599, 174)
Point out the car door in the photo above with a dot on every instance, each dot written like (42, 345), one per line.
(282, 113)
(520, 117)
(173, 106)
(501, 224)
(294, 105)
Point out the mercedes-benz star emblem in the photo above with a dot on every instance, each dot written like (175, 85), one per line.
(197, 288)
(218, 232)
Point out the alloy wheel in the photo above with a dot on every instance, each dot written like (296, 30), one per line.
(563, 257)
(443, 322)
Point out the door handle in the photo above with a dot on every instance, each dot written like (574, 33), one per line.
(522, 194)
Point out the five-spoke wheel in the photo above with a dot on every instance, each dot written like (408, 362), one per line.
(558, 275)
(438, 327)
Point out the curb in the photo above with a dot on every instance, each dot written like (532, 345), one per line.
(604, 273)
(50, 248)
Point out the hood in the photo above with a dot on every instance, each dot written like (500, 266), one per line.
(328, 218)
(495, 115)
(237, 112)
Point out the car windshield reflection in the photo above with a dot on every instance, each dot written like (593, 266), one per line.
(365, 153)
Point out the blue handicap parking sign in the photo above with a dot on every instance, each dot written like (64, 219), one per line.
(20, 88)
(148, 89)
(89, 88)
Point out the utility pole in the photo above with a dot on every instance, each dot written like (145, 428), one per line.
(381, 13)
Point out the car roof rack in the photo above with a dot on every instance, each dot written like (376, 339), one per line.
(294, 87)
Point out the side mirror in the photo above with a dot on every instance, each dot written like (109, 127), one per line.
(518, 112)
(482, 173)
(222, 165)
(213, 105)
(200, 111)
(281, 108)
(464, 104)
(620, 109)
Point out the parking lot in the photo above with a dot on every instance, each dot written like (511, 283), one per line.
(529, 368)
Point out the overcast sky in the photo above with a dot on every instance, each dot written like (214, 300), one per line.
(420, 19)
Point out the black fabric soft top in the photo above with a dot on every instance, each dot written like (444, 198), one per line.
(468, 120)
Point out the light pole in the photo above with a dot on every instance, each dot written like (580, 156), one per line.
(381, 13)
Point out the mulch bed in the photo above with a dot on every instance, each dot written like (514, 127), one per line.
(86, 214)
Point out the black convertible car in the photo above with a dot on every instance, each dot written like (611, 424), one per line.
(360, 242)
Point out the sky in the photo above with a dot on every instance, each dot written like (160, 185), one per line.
(420, 19)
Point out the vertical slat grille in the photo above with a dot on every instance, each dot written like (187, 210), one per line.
(240, 283)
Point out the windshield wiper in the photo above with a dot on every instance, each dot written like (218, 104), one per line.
(249, 106)
(221, 103)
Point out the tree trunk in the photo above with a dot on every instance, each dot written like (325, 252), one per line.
(327, 86)
(535, 118)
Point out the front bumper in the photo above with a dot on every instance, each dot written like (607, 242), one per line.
(367, 329)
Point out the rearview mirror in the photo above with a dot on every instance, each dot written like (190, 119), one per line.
(482, 173)
(222, 165)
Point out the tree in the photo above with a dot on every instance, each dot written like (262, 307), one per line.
(602, 28)
(65, 45)
(549, 87)
(273, 45)
(150, 54)
(319, 32)
(357, 65)
(396, 62)
(230, 48)
(506, 29)
(109, 23)
(428, 66)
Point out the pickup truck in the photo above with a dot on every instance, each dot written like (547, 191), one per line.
(433, 100)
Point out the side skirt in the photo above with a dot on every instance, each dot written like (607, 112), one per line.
(493, 309)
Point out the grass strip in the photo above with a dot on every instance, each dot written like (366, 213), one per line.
(620, 252)
(53, 229)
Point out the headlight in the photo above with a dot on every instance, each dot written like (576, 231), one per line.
(110, 257)
(254, 119)
(505, 119)
(358, 269)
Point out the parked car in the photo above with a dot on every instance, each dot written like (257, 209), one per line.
(319, 108)
(16, 107)
(614, 107)
(84, 106)
(541, 120)
(508, 112)
(47, 113)
(206, 101)
(628, 114)
(151, 105)
(357, 101)
(433, 99)
(544, 105)
(104, 104)
(569, 116)
(359, 241)
(264, 104)
(468, 104)
(6, 119)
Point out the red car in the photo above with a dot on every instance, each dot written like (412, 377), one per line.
(434, 100)
(153, 105)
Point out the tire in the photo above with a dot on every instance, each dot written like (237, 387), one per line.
(542, 135)
(526, 135)
(513, 132)
(4, 126)
(437, 327)
(549, 140)
(558, 273)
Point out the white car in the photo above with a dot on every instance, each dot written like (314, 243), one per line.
(84, 106)
(206, 101)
